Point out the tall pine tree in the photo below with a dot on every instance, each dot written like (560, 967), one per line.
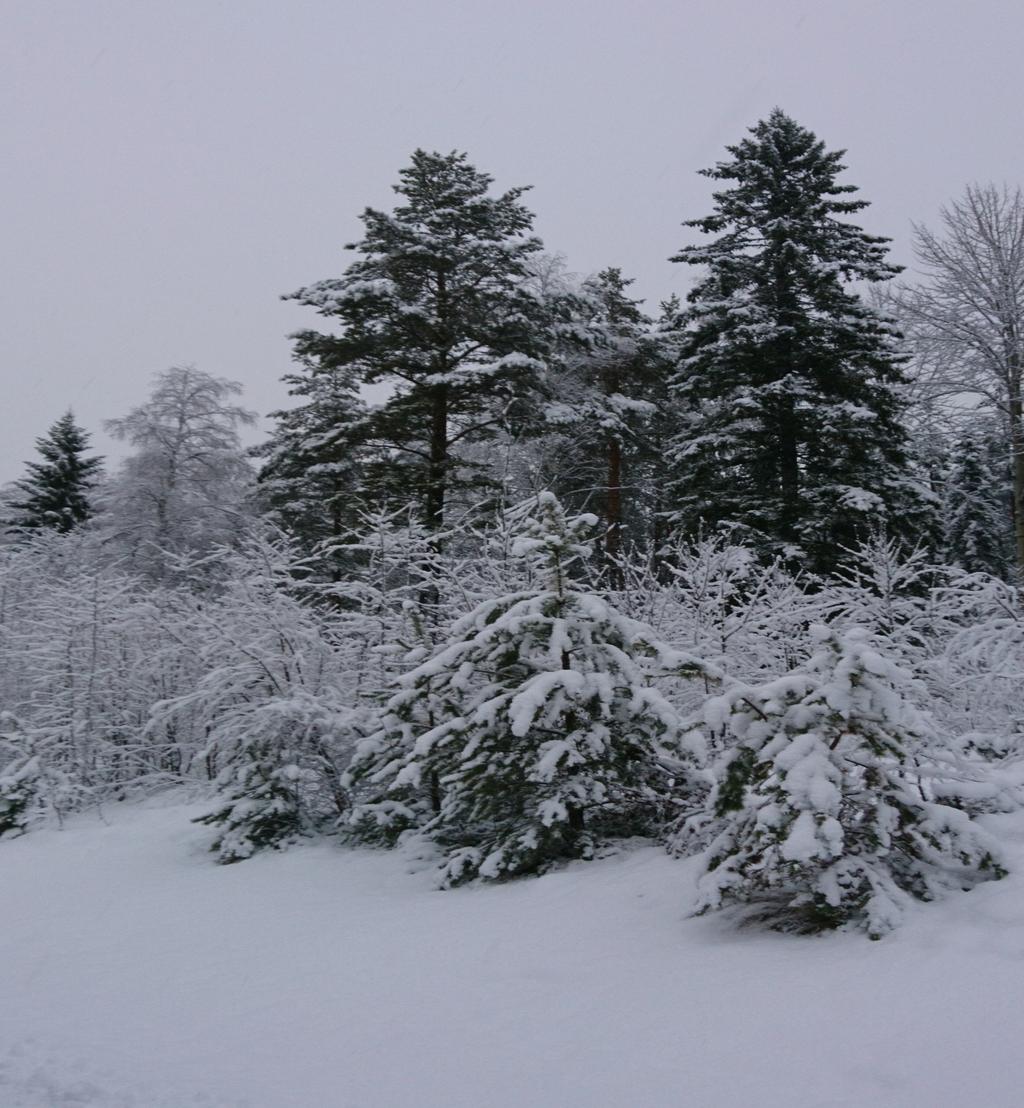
(788, 382)
(437, 309)
(55, 494)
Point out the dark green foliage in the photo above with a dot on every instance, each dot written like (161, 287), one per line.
(312, 481)
(260, 805)
(736, 776)
(788, 383)
(534, 734)
(19, 786)
(979, 508)
(437, 309)
(822, 809)
(55, 494)
(611, 381)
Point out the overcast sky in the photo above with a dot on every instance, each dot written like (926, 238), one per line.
(172, 166)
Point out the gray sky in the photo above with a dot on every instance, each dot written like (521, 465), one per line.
(172, 166)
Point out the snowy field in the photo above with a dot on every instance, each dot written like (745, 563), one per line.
(133, 972)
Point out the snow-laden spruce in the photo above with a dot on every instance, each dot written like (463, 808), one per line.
(534, 733)
(825, 817)
(19, 778)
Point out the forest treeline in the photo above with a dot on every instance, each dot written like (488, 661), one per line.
(525, 570)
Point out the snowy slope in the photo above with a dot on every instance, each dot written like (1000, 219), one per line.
(133, 972)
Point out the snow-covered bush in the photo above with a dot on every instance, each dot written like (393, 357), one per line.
(19, 783)
(85, 651)
(894, 593)
(534, 733)
(271, 700)
(824, 819)
(261, 804)
(19, 778)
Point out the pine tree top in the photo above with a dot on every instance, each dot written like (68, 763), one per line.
(55, 492)
(785, 202)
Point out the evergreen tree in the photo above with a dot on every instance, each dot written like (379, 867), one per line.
(260, 804)
(437, 308)
(55, 494)
(20, 774)
(824, 815)
(534, 733)
(788, 382)
(611, 375)
(978, 531)
(19, 784)
(312, 479)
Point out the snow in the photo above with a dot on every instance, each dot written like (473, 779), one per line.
(135, 973)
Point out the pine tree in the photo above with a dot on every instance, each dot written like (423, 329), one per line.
(20, 777)
(260, 804)
(788, 382)
(437, 307)
(824, 814)
(534, 733)
(312, 481)
(56, 492)
(978, 524)
(612, 374)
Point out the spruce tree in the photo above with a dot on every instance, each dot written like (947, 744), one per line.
(260, 805)
(21, 777)
(533, 734)
(610, 378)
(788, 382)
(313, 478)
(825, 819)
(978, 524)
(438, 309)
(19, 794)
(55, 494)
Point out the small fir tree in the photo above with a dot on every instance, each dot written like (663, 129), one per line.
(534, 733)
(824, 815)
(19, 794)
(260, 803)
(21, 777)
(56, 492)
(788, 383)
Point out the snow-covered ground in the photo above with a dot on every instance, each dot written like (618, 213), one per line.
(134, 972)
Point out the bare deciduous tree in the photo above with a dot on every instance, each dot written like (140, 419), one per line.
(967, 316)
(182, 488)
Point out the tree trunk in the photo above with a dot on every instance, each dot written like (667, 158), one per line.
(1015, 408)
(613, 511)
(789, 472)
(1017, 449)
(437, 473)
